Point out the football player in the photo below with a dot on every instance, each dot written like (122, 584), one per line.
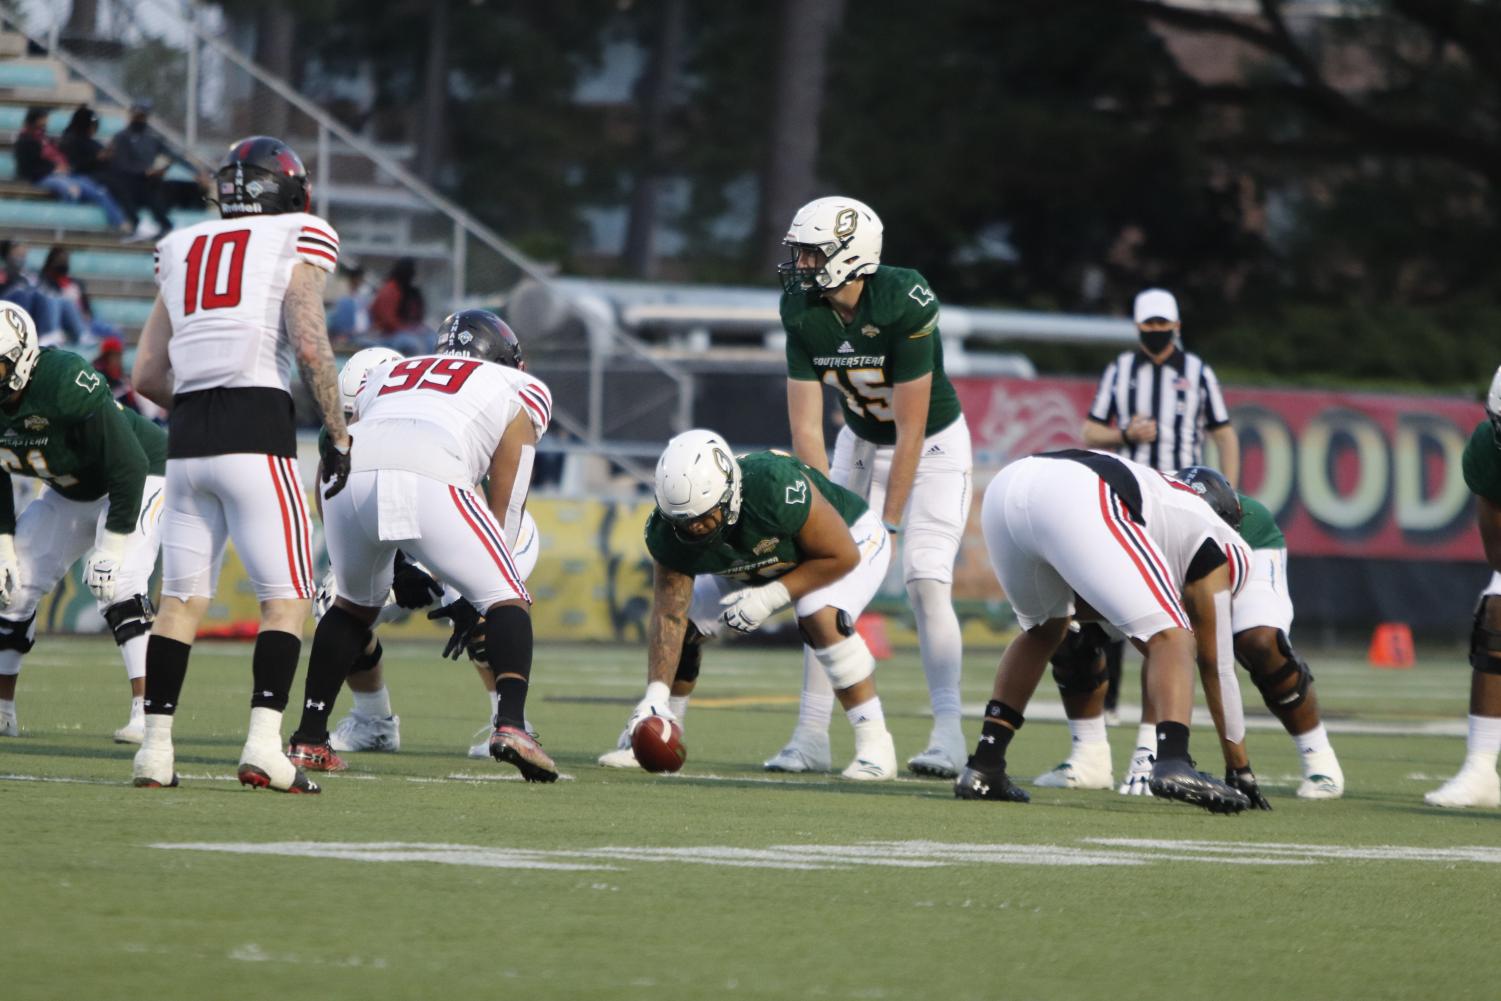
(871, 331)
(736, 540)
(102, 466)
(431, 428)
(1476, 783)
(1086, 533)
(240, 298)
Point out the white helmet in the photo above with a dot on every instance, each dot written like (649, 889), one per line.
(361, 364)
(1493, 406)
(18, 344)
(696, 474)
(848, 233)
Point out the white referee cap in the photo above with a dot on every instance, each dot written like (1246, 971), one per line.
(1155, 304)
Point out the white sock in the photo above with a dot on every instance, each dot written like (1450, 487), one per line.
(158, 730)
(8, 707)
(867, 715)
(133, 652)
(494, 706)
(373, 705)
(1484, 743)
(940, 642)
(1315, 741)
(816, 706)
(1146, 736)
(265, 726)
(10, 662)
(137, 706)
(1088, 731)
(678, 706)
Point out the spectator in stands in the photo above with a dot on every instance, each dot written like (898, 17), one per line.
(20, 286)
(39, 161)
(110, 363)
(349, 318)
(75, 315)
(139, 158)
(396, 314)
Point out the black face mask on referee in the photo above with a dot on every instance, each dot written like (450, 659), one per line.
(1154, 341)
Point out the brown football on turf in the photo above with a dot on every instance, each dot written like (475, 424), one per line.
(659, 745)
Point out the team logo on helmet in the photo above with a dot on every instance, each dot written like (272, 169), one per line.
(465, 337)
(846, 222)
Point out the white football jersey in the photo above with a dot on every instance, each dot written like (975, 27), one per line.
(442, 415)
(1179, 521)
(223, 283)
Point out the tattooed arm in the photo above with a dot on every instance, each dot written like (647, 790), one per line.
(672, 595)
(303, 311)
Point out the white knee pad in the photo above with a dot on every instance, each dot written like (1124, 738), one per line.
(847, 662)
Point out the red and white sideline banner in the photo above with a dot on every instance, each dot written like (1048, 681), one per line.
(1359, 475)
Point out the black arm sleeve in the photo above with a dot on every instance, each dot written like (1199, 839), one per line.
(7, 506)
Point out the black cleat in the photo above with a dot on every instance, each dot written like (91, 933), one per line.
(972, 783)
(1176, 778)
(1245, 780)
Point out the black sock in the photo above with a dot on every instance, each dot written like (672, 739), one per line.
(1172, 741)
(273, 665)
(337, 645)
(166, 666)
(995, 737)
(508, 645)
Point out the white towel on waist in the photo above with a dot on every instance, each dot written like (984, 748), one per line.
(396, 490)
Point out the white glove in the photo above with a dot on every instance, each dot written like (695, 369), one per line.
(104, 564)
(10, 570)
(654, 704)
(324, 599)
(1139, 774)
(747, 608)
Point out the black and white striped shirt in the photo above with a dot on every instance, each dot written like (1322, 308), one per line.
(1181, 394)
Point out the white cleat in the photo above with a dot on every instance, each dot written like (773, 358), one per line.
(9, 726)
(1322, 778)
(154, 766)
(132, 732)
(1139, 774)
(1088, 767)
(264, 766)
(621, 757)
(875, 762)
(369, 733)
(946, 753)
(1475, 785)
(805, 752)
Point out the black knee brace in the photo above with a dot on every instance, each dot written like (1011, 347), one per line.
(1079, 662)
(130, 618)
(1484, 642)
(1271, 684)
(17, 634)
(843, 621)
(692, 656)
(368, 661)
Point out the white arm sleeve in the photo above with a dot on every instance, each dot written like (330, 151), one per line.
(1230, 700)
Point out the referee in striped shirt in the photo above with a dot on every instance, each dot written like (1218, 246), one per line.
(1162, 399)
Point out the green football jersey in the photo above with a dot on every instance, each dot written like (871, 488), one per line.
(68, 431)
(1481, 463)
(892, 338)
(1258, 527)
(762, 545)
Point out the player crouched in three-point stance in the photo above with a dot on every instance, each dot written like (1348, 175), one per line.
(734, 542)
(239, 298)
(102, 466)
(1477, 784)
(430, 429)
(1086, 533)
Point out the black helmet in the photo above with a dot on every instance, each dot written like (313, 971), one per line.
(479, 333)
(1217, 492)
(262, 175)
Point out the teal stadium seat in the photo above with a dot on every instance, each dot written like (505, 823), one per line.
(128, 313)
(120, 265)
(13, 116)
(15, 212)
(36, 76)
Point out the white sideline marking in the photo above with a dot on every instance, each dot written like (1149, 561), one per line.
(887, 854)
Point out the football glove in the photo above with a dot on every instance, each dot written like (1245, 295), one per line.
(654, 704)
(335, 463)
(10, 570)
(102, 569)
(413, 587)
(1245, 780)
(324, 599)
(464, 617)
(747, 608)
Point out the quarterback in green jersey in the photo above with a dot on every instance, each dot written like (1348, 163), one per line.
(734, 541)
(870, 331)
(1477, 783)
(101, 468)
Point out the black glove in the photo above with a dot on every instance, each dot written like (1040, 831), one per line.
(478, 652)
(1245, 780)
(335, 463)
(464, 617)
(413, 587)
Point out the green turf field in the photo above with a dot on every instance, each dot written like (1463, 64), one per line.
(427, 875)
